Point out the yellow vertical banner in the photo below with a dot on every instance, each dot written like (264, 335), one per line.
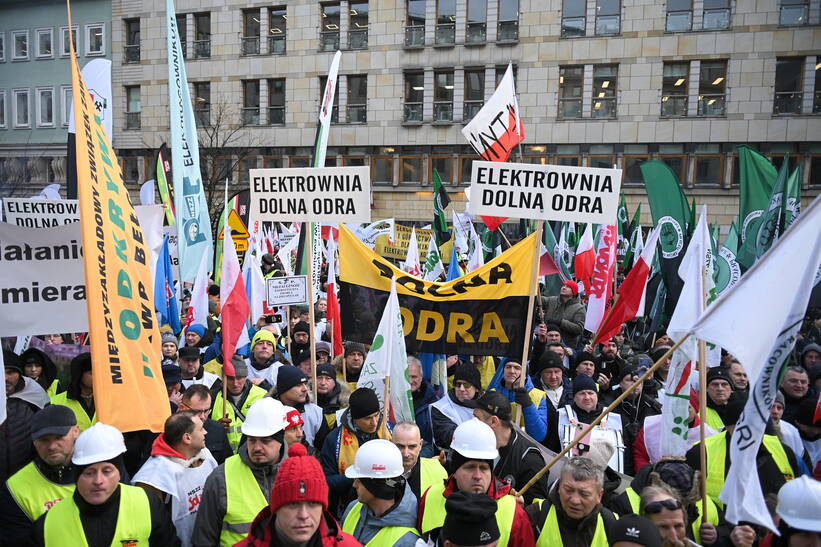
(129, 392)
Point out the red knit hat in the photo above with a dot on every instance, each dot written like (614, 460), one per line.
(293, 418)
(300, 478)
(574, 287)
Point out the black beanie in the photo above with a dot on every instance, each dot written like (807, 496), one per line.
(352, 347)
(467, 372)
(548, 359)
(456, 460)
(470, 519)
(302, 326)
(583, 382)
(289, 376)
(385, 489)
(585, 356)
(362, 403)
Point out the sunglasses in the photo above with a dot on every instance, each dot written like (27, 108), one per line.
(657, 506)
(464, 385)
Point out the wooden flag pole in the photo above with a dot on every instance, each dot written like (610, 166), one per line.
(386, 399)
(290, 333)
(224, 391)
(601, 416)
(702, 404)
(534, 284)
(312, 330)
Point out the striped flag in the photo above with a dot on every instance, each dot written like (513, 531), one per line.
(234, 302)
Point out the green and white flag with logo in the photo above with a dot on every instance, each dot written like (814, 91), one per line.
(756, 177)
(433, 266)
(727, 268)
(791, 207)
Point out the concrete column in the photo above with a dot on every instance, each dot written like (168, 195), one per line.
(264, 21)
(344, 19)
(698, 14)
(342, 93)
(427, 107)
(590, 19)
(587, 91)
(458, 93)
(461, 21)
(809, 83)
(492, 20)
(490, 80)
(430, 23)
(692, 91)
(263, 101)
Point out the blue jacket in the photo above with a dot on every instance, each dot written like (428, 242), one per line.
(535, 417)
(427, 396)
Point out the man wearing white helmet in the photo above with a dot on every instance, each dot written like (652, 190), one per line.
(469, 463)
(385, 510)
(239, 488)
(102, 511)
(799, 506)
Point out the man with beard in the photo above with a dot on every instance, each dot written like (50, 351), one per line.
(331, 395)
(192, 372)
(453, 409)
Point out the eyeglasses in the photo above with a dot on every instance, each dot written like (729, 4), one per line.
(463, 385)
(657, 506)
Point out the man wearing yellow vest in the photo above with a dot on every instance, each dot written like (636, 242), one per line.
(101, 511)
(45, 481)
(421, 473)
(79, 396)
(573, 516)
(241, 395)
(719, 392)
(239, 488)
(469, 463)
(385, 510)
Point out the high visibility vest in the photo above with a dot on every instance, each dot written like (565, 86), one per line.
(716, 447)
(714, 420)
(83, 421)
(712, 512)
(34, 493)
(550, 536)
(52, 389)
(388, 535)
(244, 500)
(133, 521)
(431, 473)
(434, 515)
(234, 434)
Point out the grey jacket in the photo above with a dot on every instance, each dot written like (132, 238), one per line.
(403, 514)
(569, 314)
(214, 502)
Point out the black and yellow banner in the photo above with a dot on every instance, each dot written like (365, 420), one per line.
(481, 313)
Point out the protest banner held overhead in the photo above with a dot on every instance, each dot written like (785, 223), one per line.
(40, 213)
(287, 291)
(481, 313)
(546, 192)
(323, 194)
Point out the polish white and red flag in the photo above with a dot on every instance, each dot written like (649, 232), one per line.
(601, 282)
(585, 259)
(197, 312)
(234, 305)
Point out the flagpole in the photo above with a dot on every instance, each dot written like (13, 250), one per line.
(224, 381)
(601, 416)
(534, 283)
(604, 320)
(312, 334)
(386, 398)
(702, 403)
(290, 334)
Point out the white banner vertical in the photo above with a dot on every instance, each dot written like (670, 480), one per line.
(97, 75)
(325, 111)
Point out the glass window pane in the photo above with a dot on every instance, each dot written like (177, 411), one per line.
(22, 108)
(788, 74)
(359, 15)
(679, 21)
(679, 5)
(713, 77)
(330, 17)
(414, 87)
(445, 11)
(46, 107)
(574, 8)
(96, 40)
(276, 92)
(382, 169)
(357, 90)
(443, 86)
(411, 170)
(708, 170)
(477, 11)
(508, 10)
(444, 165)
(475, 85)
(608, 7)
(44, 43)
(416, 12)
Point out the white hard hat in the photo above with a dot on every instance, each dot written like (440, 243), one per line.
(475, 439)
(100, 442)
(376, 459)
(799, 504)
(265, 418)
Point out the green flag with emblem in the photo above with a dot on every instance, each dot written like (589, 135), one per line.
(727, 269)
(756, 177)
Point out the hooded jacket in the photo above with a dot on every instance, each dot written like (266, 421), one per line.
(329, 534)
(402, 513)
(569, 314)
(49, 374)
(16, 449)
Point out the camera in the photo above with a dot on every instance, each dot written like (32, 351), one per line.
(275, 318)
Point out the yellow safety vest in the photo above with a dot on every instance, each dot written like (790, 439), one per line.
(550, 536)
(234, 434)
(712, 511)
(34, 493)
(83, 421)
(244, 500)
(63, 524)
(434, 515)
(431, 473)
(52, 389)
(716, 448)
(714, 420)
(388, 535)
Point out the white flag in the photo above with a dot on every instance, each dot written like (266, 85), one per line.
(411, 264)
(197, 313)
(477, 256)
(369, 233)
(254, 282)
(690, 304)
(387, 358)
(757, 321)
(433, 262)
(461, 228)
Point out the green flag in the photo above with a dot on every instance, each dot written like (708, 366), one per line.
(756, 177)
(727, 269)
(791, 206)
(691, 224)
(440, 203)
(769, 229)
(490, 242)
(632, 234)
(623, 226)
(564, 253)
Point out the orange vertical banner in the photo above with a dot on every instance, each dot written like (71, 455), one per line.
(129, 392)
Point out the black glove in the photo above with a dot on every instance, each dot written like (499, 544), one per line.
(522, 397)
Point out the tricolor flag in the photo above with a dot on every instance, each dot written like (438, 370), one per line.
(234, 303)
(254, 282)
(601, 282)
(585, 260)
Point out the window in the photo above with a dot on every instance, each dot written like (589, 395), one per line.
(476, 30)
(299, 161)
(414, 96)
(329, 27)
(66, 101)
(410, 169)
(276, 101)
(500, 73)
(601, 161)
(357, 99)
(465, 169)
(571, 81)
(415, 23)
(45, 43)
(445, 22)
(709, 170)
(443, 96)
(382, 169)
(269, 162)
(716, 15)
(224, 168)
(131, 170)
(132, 107)
(3, 124)
(2, 46)
(353, 161)
(202, 103)
(674, 89)
(22, 108)
(250, 32)
(679, 15)
(444, 166)
(535, 154)
(202, 35)
(45, 107)
(250, 102)
(608, 17)
(678, 164)
(815, 170)
(789, 85)
(95, 39)
(604, 91)
(20, 45)
(182, 32)
(358, 25)
(474, 92)
(793, 12)
(335, 113)
(632, 171)
(132, 41)
(816, 98)
(277, 25)
(245, 166)
(712, 85)
(64, 42)
(508, 21)
(574, 18)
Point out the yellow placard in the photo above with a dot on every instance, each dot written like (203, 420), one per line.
(398, 250)
(129, 392)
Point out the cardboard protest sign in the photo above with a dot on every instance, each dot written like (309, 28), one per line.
(287, 291)
(322, 194)
(398, 249)
(481, 313)
(546, 192)
(41, 213)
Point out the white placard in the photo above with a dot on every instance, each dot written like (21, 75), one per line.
(41, 213)
(42, 281)
(547, 192)
(287, 291)
(322, 194)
